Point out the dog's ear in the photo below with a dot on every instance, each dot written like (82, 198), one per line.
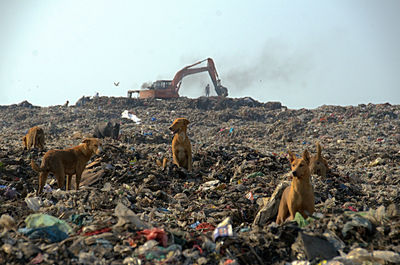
(291, 156)
(319, 149)
(306, 156)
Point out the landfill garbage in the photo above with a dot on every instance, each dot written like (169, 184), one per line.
(127, 216)
(51, 233)
(43, 220)
(310, 247)
(126, 200)
(223, 229)
(128, 115)
(7, 222)
(33, 203)
(155, 233)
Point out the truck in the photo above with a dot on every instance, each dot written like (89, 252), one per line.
(164, 89)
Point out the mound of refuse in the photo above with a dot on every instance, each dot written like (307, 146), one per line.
(129, 210)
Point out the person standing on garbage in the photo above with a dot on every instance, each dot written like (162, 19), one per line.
(207, 90)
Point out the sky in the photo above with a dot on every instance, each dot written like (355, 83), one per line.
(302, 53)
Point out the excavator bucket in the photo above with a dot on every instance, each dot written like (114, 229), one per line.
(221, 91)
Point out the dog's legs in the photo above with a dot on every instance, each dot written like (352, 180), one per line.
(60, 176)
(175, 159)
(42, 181)
(304, 214)
(77, 180)
(29, 145)
(69, 180)
(283, 212)
(190, 160)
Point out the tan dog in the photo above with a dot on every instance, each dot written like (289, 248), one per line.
(318, 164)
(35, 138)
(68, 162)
(299, 196)
(181, 148)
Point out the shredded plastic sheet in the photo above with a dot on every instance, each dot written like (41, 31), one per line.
(129, 115)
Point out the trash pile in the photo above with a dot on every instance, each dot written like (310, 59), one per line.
(129, 210)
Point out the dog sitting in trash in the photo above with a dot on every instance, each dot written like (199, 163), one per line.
(35, 138)
(71, 161)
(318, 165)
(181, 148)
(299, 195)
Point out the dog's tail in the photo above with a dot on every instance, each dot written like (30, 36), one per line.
(35, 167)
(319, 149)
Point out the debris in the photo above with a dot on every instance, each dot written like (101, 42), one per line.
(129, 210)
(310, 247)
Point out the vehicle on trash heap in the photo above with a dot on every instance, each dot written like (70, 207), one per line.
(170, 88)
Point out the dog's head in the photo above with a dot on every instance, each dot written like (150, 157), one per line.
(300, 166)
(115, 131)
(93, 144)
(179, 125)
(318, 164)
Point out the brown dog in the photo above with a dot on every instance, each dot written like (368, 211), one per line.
(181, 148)
(318, 164)
(67, 162)
(299, 196)
(34, 137)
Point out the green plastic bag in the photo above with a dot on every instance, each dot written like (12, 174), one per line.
(301, 221)
(42, 220)
(255, 174)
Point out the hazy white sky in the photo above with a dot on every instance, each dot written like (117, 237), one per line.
(301, 53)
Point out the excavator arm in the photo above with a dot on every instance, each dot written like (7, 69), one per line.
(188, 70)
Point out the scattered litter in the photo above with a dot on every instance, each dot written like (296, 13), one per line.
(129, 210)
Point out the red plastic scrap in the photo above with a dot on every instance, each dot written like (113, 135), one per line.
(101, 231)
(351, 208)
(205, 227)
(38, 259)
(155, 233)
(132, 242)
(199, 248)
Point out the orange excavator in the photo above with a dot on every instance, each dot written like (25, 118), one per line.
(170, 88)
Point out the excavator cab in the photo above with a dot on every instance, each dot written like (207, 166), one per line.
(161, 84)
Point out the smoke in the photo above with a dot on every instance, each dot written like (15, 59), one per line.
(276, 64)
(146, 85)
(194, 85)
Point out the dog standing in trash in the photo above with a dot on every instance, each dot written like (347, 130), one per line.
(299, 196)
(181, 148)
(68, 162)
(318, 165)
(34, 137)
(107, 129)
